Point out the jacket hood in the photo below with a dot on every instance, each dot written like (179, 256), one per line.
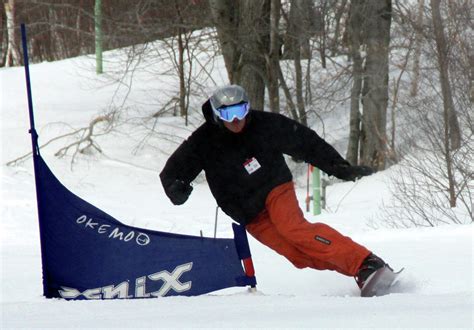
(207, 112)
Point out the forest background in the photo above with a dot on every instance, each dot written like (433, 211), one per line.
(406, 69)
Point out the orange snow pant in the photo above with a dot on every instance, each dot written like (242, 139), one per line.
(282, 227)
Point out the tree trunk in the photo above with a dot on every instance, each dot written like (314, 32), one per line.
(418, 39)
(375, 89)
(244, 28)
(296, 37)
(182, 88)
(299, 87)
(301, 26)
(309, 25)
(471, 75)
(339, 11)
(289, 100)
(226, 18)
(274, 57)
(442, 53)
(254, 36)
(12, 57)
(3, 36)
(352, 155)
(322, 36)
(356, 22)
(182, 45)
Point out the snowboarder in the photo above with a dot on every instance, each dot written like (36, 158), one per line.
(241, 152)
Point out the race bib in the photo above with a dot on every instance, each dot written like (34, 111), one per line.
(251, 165)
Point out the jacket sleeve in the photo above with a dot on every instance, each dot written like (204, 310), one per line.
(184, 164)
(305, 144)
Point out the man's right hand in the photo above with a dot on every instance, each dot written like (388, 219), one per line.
(179, 192)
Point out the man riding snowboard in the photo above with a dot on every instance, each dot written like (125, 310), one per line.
(241, 152)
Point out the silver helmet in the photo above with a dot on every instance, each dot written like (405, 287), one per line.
(228, 95)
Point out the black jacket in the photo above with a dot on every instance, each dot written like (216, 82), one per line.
(222, 155)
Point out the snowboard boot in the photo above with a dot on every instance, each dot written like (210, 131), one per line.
(370, 264)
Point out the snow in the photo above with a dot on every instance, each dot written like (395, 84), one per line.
(435, 291)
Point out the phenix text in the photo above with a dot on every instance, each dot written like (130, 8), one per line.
(170, 282)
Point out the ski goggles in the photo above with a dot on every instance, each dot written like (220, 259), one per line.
(230, 112)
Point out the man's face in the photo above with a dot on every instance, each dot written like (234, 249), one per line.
(236, 126)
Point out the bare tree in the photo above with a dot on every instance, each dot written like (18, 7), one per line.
(471, 74)
(301, 26)
(296, 17)
(182, 47)
(375, 84)
(323, 30)
(65, 28)
(3, 36)
(418, 39)
(355, 30)
(273, 58)
(226, 16)
(12, 54)
(244, 33)
(254, 37)
(433, 184)
(340, 8)
(452, 125)
(369, 29)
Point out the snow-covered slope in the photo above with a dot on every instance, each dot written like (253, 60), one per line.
(435, 290)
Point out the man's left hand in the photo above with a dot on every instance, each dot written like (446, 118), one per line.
(351, 173)
(359, 171)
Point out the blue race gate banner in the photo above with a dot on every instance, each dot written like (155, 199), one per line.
(87, 254)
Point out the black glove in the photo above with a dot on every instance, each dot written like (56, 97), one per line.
(179, 192)
(351, 173)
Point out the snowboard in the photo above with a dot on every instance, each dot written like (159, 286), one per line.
(380, 282)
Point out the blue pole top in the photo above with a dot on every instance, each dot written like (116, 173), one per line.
(34, 135)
